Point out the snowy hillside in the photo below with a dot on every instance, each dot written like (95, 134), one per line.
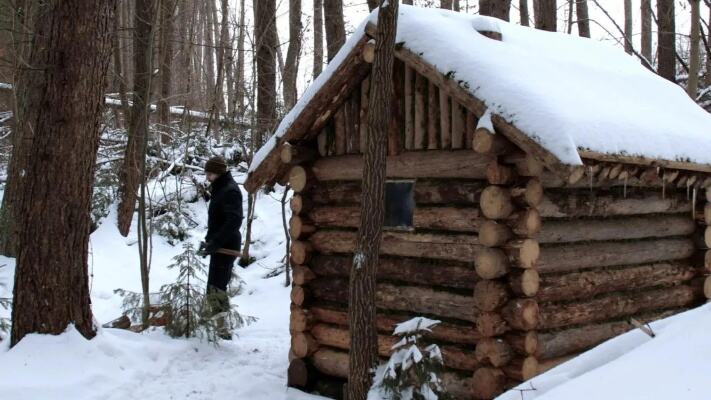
(675, 364)
(119, 364)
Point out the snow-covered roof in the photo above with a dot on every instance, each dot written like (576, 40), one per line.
(565, 92)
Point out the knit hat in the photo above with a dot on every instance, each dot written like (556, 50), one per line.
(216, 165)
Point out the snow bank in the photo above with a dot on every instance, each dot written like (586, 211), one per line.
(673, 365)
(565, 92)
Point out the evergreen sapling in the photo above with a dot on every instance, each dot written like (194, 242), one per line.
(412, 372)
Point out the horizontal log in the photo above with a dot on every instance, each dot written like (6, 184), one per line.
(496, 202)
(300, 251)
(521, 314)
(525, 282)
(402, 298)
(409, 165)
(298, 295)
(638, 227)
(297, 373)
(707, 287)
(337, 337)
(575, 340)
(577, 256)
(571, 204)
(580, 285)
(426, 192)
(521, 369)
(500, 174)
(429, 218)
(300, 178)
(615, 305)
(402, 269)
(335, 363)
(490, 324)
(486, 142)
(385, 323)
(523, 342)
(526, 164)
(438, 246)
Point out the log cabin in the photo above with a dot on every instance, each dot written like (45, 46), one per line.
(533, 228)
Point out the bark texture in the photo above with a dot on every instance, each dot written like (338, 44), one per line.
(361, 295)
(60, 105)
(666, 40)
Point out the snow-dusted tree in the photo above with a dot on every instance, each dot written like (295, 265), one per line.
(412, 371)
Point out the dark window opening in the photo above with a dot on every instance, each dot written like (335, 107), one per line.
(399, 204)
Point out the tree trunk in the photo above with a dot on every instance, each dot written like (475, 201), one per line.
(239, 76)
(265, 34)
(361, 295)
(692, 86)
(318, 38)
(495, 8)
(291, 68)
(628, 26)
(166, 59)
(209, 51)
(708, 53)
(218, 92)
(523, 9)
(335, 27)
(666, 40)
(583, 19)
(372, 4)
(646, 22)
(445, 4)
(60, 106)
(138, 128)
(545, 14)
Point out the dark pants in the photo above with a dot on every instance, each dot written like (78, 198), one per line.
(218, 277)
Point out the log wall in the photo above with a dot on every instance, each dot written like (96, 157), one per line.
(525, 270)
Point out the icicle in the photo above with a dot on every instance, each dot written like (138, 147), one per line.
(591, 178)
(664, 184)
(693, 204)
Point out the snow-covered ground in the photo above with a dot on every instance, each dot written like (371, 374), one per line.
(674, 365)
(119, 364)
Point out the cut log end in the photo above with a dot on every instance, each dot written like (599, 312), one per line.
(707, 287)
(491, 263)
(487, 142)
(521, 314)
(527, 283)
(298, 178)
(490, 324)
(298, 295)
(303, 344)
(369, 52)
(490, 295)
(297, 374)
(524, 253)
(493, 234)
(496, 202)
(527, 223)
(522, 369)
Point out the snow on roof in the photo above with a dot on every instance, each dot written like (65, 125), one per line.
(672, 365)
(563, 91)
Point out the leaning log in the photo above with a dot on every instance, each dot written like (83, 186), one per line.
(615, 305)
(385, 323)
(572, 257)
(448, 164)
(571, 204)
(337, 337)
(401, 269)
(402, 298)
(580, 285)
(638, 227)
(444, 247)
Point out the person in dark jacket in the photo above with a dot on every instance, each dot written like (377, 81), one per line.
(223, 224)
